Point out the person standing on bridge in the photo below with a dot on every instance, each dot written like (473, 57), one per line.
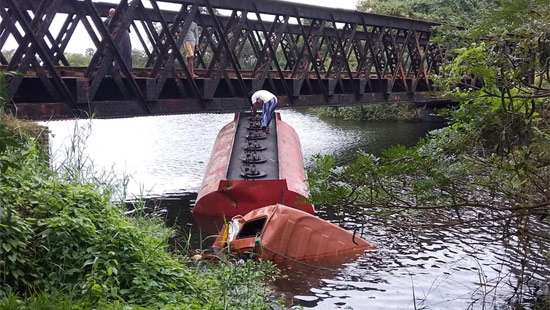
(189, 42)
(121, 36)
(269, 103)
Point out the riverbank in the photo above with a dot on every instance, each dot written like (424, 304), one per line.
(374, 112)
(64, 243)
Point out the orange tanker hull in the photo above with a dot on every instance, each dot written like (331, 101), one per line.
(281, 234)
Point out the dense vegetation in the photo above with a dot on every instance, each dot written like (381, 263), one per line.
(373, 112)
(491, 166)
(463, 23)
(139, 58)
(458, 17)
(64, 245)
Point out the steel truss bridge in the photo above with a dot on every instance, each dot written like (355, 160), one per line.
(307, 55)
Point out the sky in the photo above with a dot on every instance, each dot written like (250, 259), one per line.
(340, 4)
(81, 41)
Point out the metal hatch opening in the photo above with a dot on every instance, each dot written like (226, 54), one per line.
(252, 228)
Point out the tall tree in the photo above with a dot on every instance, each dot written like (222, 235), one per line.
(457, 17)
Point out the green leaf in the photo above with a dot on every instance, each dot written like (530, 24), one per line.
(6, 246)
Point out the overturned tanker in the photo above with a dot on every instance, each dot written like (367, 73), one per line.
(249, 169)
(282, 234)
(258, 180)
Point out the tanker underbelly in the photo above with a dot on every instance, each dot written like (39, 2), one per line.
(249, 169)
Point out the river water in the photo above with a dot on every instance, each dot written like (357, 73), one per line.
(418, 264)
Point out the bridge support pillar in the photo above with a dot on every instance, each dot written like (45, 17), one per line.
(82, 91)
(331, 86)
(297, 87)
(257, 84)
(209, 88)
(150, 89)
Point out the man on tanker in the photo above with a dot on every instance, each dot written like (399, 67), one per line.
(268, 101)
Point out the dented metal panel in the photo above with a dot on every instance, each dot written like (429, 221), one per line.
(292, 235)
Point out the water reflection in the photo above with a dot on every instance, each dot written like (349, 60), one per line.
(169, 153)
(161, 154)
(452, 267)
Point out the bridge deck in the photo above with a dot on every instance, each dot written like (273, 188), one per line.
(33, 101)
(146, 73)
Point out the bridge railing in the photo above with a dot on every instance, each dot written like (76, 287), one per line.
(305, 54)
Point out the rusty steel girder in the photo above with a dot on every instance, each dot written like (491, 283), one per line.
(306, 55)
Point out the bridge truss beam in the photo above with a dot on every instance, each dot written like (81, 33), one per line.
(306, 55)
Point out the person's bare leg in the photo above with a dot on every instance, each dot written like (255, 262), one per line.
(191, 66)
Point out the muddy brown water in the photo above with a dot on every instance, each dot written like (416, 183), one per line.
(419, 263)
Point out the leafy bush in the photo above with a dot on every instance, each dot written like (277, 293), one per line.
(372, 112)
(67, 242)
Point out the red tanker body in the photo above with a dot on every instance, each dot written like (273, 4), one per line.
(249, 170)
